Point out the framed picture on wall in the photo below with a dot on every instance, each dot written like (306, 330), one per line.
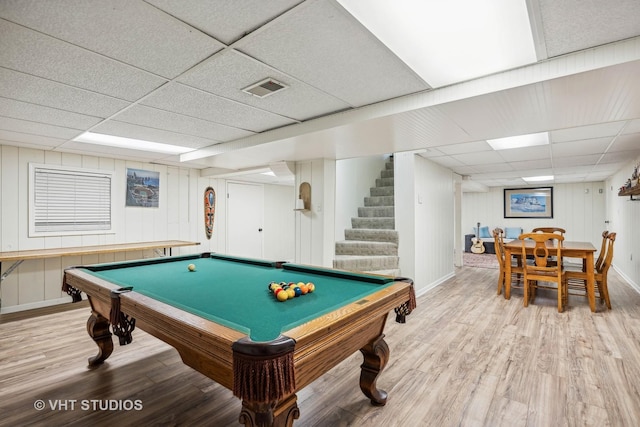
(143, 188)
(528, 202)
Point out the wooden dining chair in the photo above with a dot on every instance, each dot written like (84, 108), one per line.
(576, 282)
(542, 272)
(603, 250)
(516, 270)
(558, 230)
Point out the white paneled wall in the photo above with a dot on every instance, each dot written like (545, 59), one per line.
(179, 216)
(578, 208)
(424, 220)
(315, 243)
(624, 218)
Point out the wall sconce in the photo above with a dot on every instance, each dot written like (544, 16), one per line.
(303, 202)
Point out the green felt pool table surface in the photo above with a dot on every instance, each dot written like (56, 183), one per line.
(234, 291)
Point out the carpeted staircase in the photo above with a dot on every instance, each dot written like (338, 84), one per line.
(372, 243)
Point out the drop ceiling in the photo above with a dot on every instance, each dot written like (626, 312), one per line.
(173, 72)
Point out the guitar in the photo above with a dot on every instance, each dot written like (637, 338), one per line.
(478, 246)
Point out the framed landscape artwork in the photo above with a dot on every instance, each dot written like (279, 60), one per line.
(528, 202)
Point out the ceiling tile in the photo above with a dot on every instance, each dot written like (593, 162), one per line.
(130, 31)
(587, 146)
(230, 72)
(619, 156)
(43, 56)
(40, 91)
(467, 147)
(531, 164)
(224, 20)
(526, 153)
(494, 167)
(28, 140)
(606, 22)
(182, 99)
(575, 160)
(36, 113)
(480, 158)
(160, 119)
(28, 127)
(626, 143)
(586, 132)
(633, 126)
(310, 44)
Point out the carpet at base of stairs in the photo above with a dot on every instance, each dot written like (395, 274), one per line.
(373, 264)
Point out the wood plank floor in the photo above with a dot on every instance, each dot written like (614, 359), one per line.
(465, 357)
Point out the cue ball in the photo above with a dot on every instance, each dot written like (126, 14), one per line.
(191, 267)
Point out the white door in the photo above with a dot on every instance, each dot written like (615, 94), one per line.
(245, 207)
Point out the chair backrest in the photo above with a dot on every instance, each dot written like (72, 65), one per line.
(606, 263)
(543, 244)
(498, 244)
(603, 250)
(549, 230)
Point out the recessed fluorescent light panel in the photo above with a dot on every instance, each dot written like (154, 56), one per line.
(130, 143)
(519, 141)
(451, 41)
(538, 178)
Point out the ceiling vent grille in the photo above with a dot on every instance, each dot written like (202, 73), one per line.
(265, 88)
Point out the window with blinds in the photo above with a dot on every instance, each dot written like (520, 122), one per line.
(69, 201)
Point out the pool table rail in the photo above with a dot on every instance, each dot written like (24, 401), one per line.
(227, 356)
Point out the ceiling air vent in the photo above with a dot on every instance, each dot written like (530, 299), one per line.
(265, 88)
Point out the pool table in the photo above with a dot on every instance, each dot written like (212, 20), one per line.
(227, 324)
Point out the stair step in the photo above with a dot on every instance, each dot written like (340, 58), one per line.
(364, 248)
(387, 173)
(379, 201)
(381, 191)
(389, 165)
(387, 223)
(368, 263)
(384, 182)
(376, 211)
(371, 234)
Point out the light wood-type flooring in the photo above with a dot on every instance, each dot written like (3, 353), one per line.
(465, 357)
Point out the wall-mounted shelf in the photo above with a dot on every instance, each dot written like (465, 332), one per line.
(631, 191)
(304, 197)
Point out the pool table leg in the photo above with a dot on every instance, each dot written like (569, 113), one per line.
(376, 356)
(98, 328)
(270, 414)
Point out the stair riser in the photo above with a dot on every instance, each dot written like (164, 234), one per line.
(381, 191)
(386, 173)
(384, 182)
(367, 264)
(376, 212)
(379, 235)
(364, 249)
(379, 201)
(376, 223)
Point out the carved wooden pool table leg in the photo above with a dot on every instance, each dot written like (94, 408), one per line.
(376, 356)
(98, 329)
(265, 414)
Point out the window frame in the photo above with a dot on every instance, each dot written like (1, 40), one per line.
(70, 229)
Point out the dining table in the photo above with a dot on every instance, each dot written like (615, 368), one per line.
(570, 249)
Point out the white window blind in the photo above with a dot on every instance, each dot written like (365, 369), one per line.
(66, 200)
